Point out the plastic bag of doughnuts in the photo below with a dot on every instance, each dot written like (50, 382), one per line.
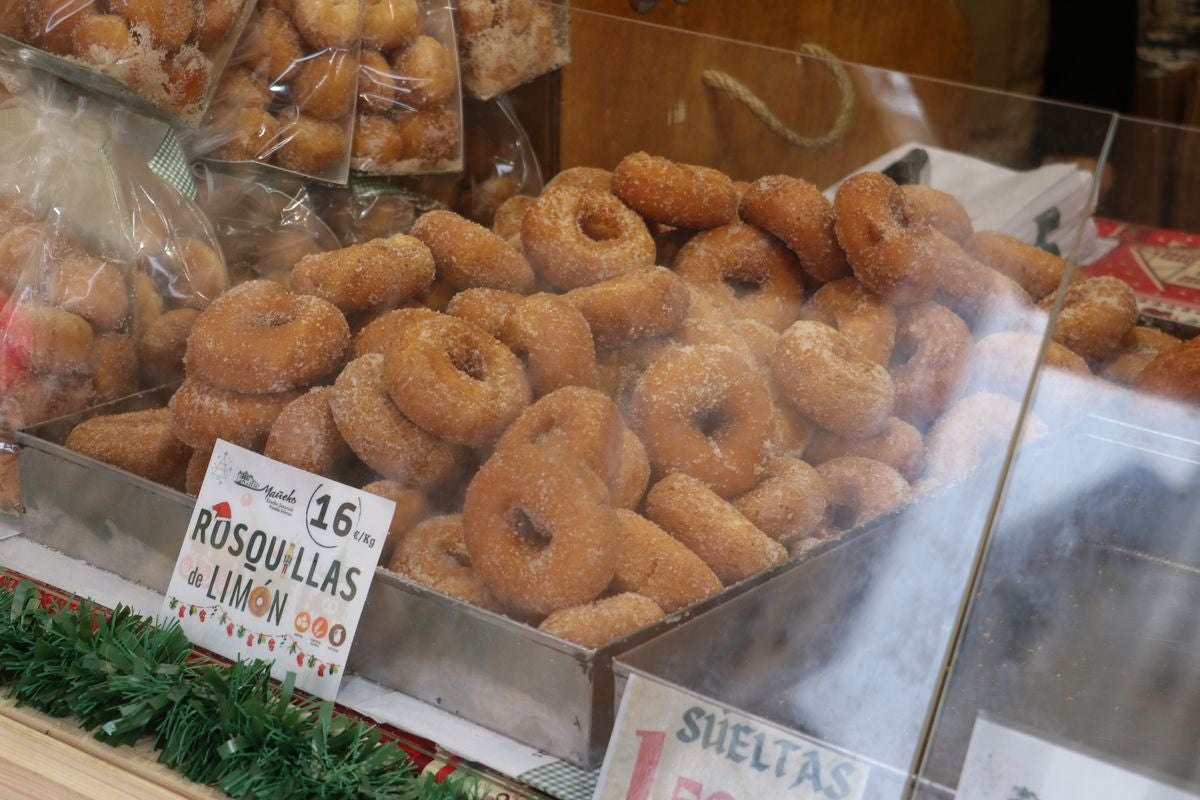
(287, 97)
(372, 208)
(162, 55)
(409, 116)
(505, 43)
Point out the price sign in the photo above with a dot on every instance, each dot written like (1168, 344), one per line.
(673, 745)
(1007, 764)
(276, 565)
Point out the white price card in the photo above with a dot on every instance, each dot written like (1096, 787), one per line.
(674, 745)
(276, 565)
(1007, 764)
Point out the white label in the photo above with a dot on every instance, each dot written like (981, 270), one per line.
(1004, 764)
(673, 745)
(276, 565)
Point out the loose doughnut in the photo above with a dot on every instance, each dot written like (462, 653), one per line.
(974, 430)
(539, 529)
(411, 507)
(929, 363)
(1174, 375)
(260, 338)
(704, 411)
(860, 490)
(201, 414)
(596, 624)
(307, 144)
(470, 256)
(384, 438)
(787, 504)
(652, 563)
(640, 304)
(1004, 362)
(795, 211)
(114, 366)
(203, 276)
(831, 382)
(388, 24)
(1035, 270)
(325, 86)
(506, 222)
(306, 436)
(634, 475)
(791, 431)
(271, 45)
(431, 135)
(900, 446)
(576, 237)
(1139, 347)
(197, 467)
(731, 546)
(453, 379)
(759, 339)
(381, 273)
(487, 308)
(376, 86)
(95, 290)
(1096, 314)
(161, 350)
(582, 178)
(555, 342)
(140, 442)
(747, 271)
(376, 142)
(680, 195)
(425, 73)
(886, 242)
(378, 335)
(47, 340)
(980, 295)
(860, 314)
(941, 210)
(435, 555)
(167, 23)
(328, 23)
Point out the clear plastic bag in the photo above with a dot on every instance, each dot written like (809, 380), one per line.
(505, 43)
(163, 55)
(287, 98)
(409, 99)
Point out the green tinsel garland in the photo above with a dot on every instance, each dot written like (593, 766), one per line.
(125, 678)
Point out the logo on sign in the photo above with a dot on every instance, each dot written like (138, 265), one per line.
(277, 499)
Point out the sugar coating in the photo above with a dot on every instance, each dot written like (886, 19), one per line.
(141, 442)
(434, 554)
(555, 342)
(975, 428)
(640, 304)
(934, 375)
(505, 55)
(1096, 315)
(788, 503)
(596, 624)
(860, 314)
(800, 215)
(899, 445)
(470, 256)
(1037, 271)
(1138, 348)
(306, 436)
(941, 210)
(381, 273)
(681, 195)
(202, 413)
(861, 488)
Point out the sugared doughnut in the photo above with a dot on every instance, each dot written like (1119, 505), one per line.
(47, 340)
(1096, 314)
(328, 23)
(411, 507)
(1035, 270)
(202, 276)
(974, 430)
(102, 39)
(787, 504)
(634, 475)
(759, 339)
(900, 446)
(1004, 362)
(161, 350)
(378, 335)
(668, 242)
(747, 271)
(506, 222)
(1139, 347)
(555, 342)
(470, 256)
(425, 73)
(595, 624)
(680, 195)
(431, 135)
(731, 546)
(388, 24)
(202, 413)
(95, 290)
(114, 366)
(188, 72)
(1174, 375)
(376, 141)
(271, 44)
(167, 23)
(487, 308)
(539, 529)
(929, 363)
(147, 303)
(704, 411)
(652, 563)
(307, 144)
(941, 210)
(434, 554)
(795, 211)
(576, 237)
(17, 246)
(140, 442)
(582, 178)
(380, 273)
(196, 468)
(978, 294)
(259, 337)
(214, 21)
(473, 17)
(241, 88)
(695, 332)
(251, 134)
(886, 242)
(376, 84)
(386, 440)
(791, 431)
(640, 304)
(831, 382)
(325, 85)
(860, 314)
(860, 490)
(306, 436)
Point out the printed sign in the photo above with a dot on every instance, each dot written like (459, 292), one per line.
(673, 745)
(276, 565)
(1005, 764)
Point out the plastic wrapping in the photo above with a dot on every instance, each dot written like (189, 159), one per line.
(409, 117)
(505, 43)
(287, 98)
(162, 55)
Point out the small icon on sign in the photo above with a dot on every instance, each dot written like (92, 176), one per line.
(337, 635)
(303, 620)
(320, 627)
(1021, 793)
(224, 511)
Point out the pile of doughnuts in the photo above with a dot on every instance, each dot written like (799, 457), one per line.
(408, 100)
(646, 384)
(288, 97)
(162, 49)
(505, 43)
